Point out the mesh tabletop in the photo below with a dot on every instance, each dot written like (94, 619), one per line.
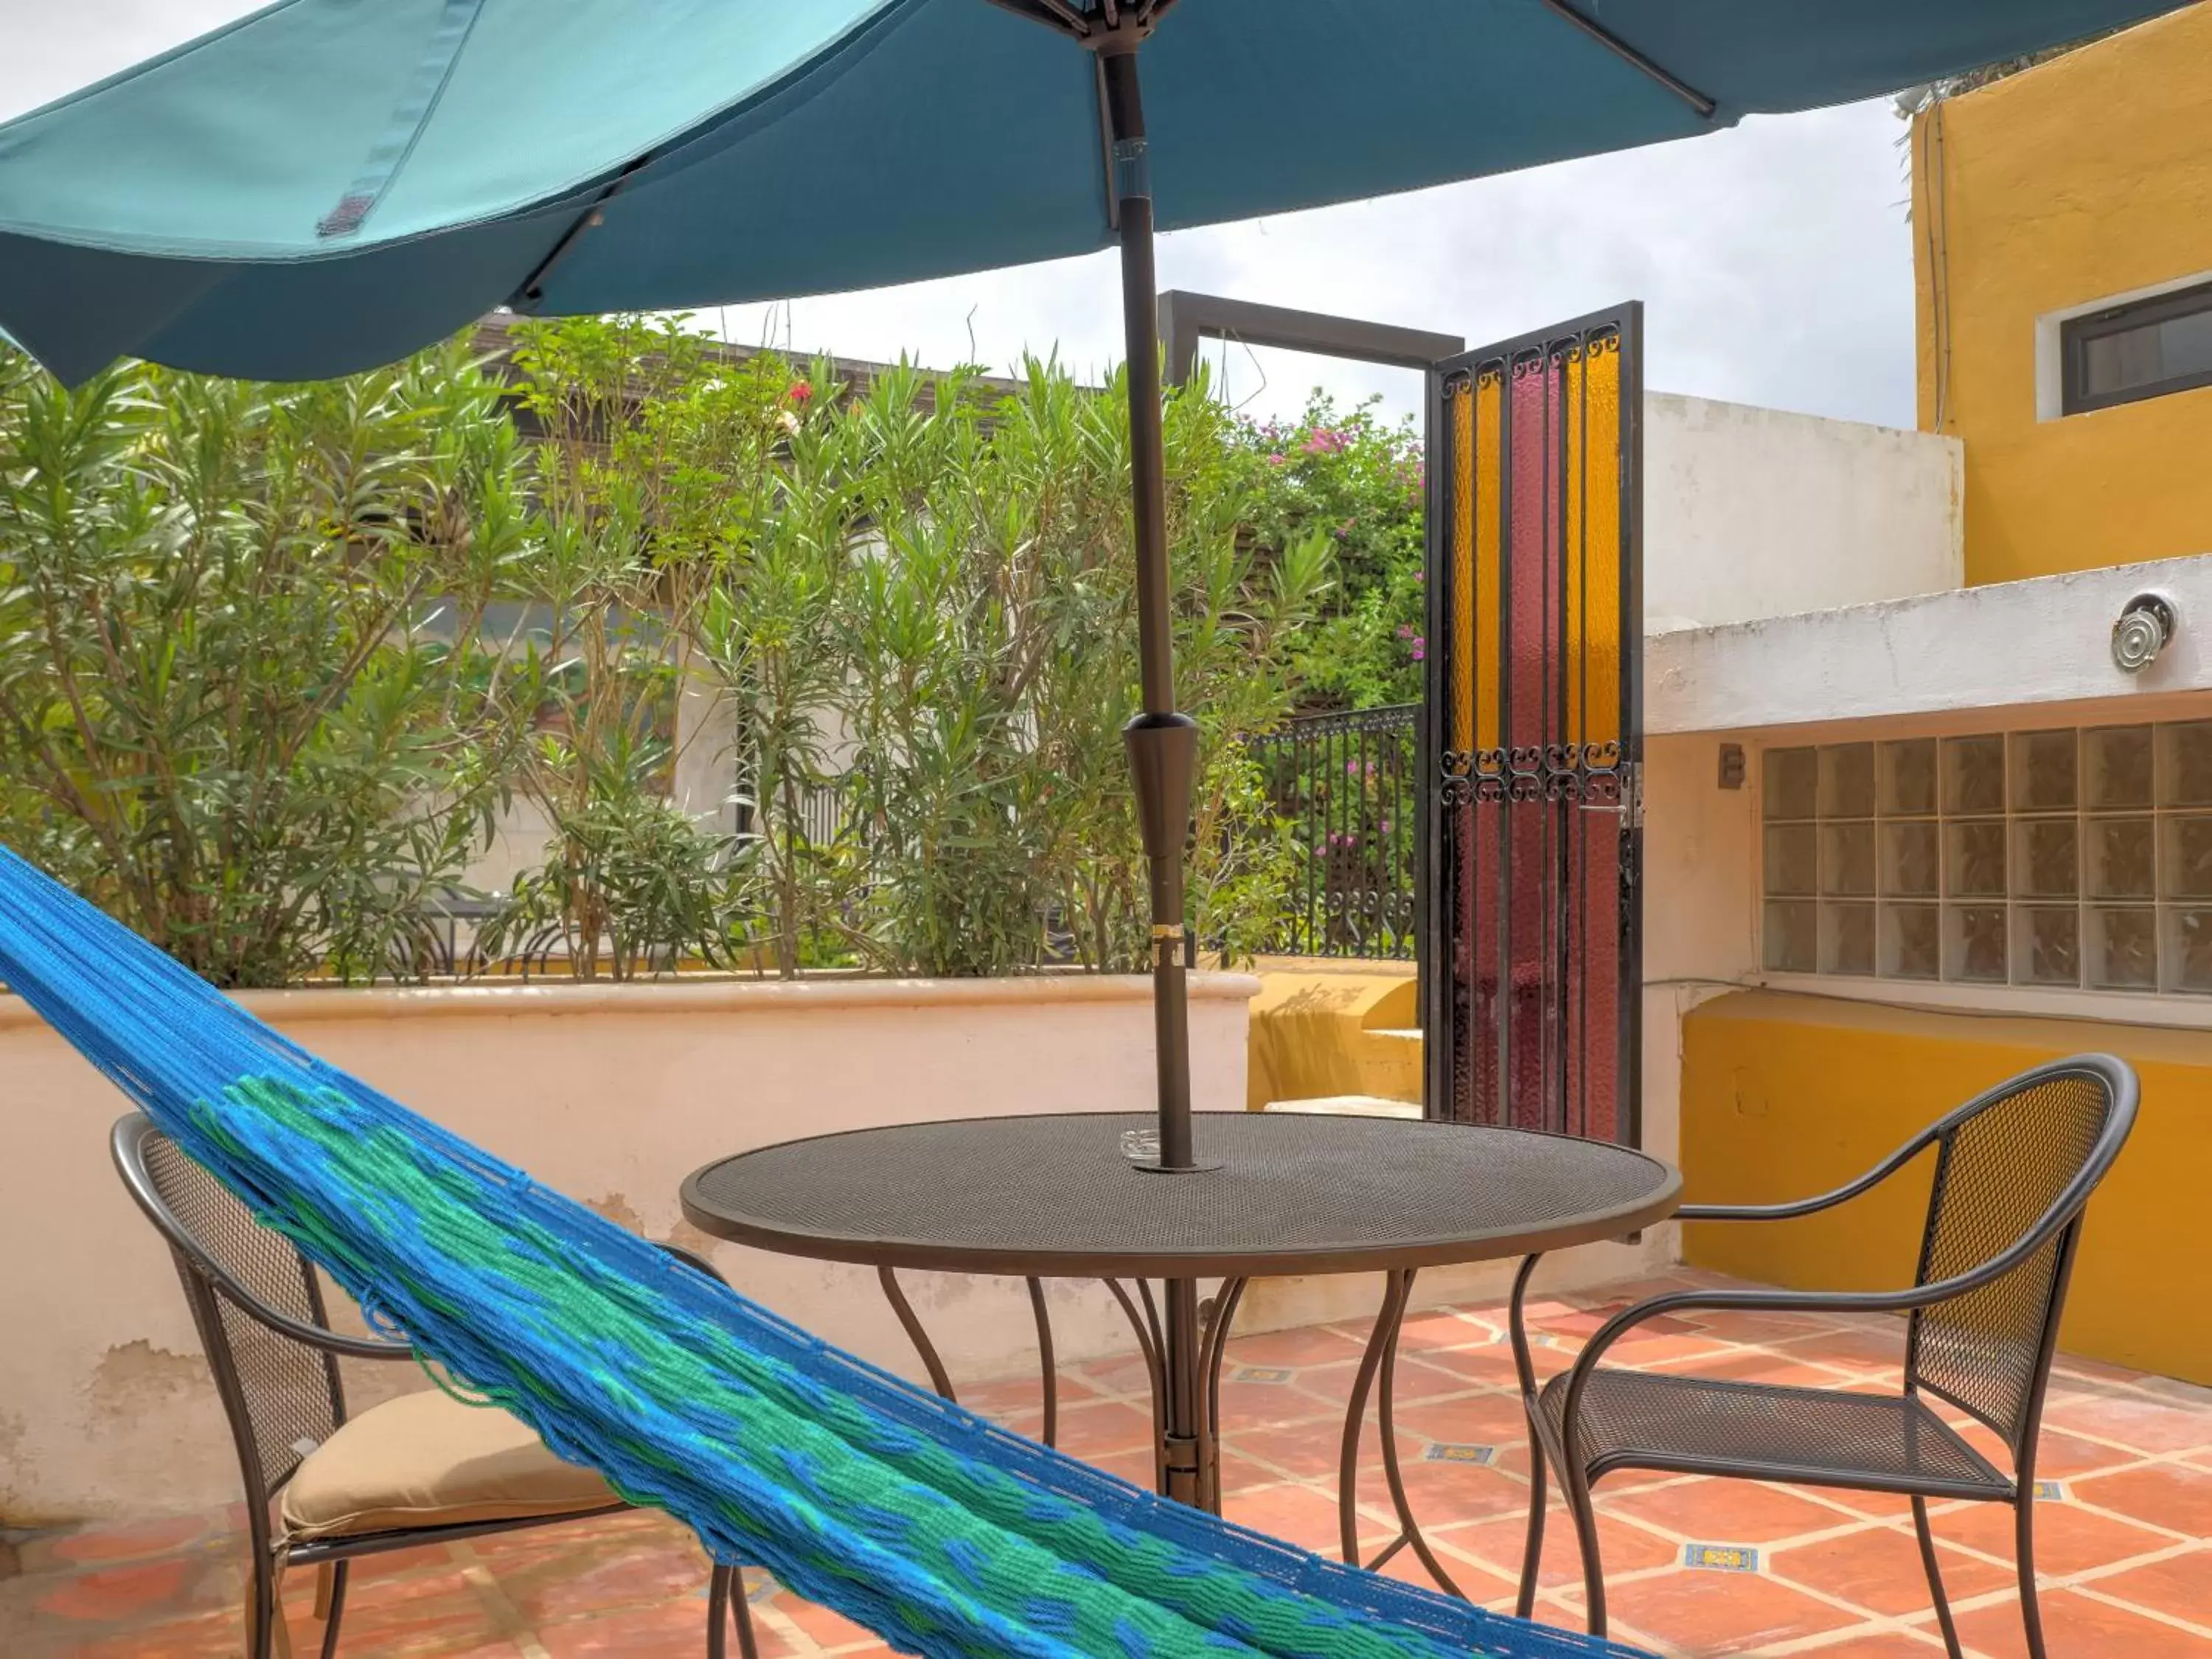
(1294, 1193)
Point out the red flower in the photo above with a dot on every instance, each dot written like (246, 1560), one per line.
(800, 392)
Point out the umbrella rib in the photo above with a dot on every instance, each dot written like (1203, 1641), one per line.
(1053, 13)
(533, 286)
(1628, 54)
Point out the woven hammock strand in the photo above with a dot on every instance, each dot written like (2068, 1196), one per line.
(944, 1534)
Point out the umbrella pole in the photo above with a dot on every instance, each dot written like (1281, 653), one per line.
(1162, 744)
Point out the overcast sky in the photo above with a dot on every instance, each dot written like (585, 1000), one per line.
(1774, 260)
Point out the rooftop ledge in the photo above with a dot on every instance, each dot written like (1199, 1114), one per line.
(2047, 640)
(701, 995)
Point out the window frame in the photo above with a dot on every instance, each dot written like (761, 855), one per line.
(2076, 333)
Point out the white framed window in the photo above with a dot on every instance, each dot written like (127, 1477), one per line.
(2145, 348)
(2123, 348)
(2070, 857)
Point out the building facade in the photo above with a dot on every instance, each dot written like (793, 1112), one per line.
(1969, 837)
(2062, 235)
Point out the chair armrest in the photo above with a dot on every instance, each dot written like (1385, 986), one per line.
(314, 1336)
(1759, 1211)
(1850, 1189)
(2062, 1212)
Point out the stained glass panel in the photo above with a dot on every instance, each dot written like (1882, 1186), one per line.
(1533, 1019)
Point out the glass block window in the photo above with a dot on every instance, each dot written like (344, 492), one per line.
(2075, 857)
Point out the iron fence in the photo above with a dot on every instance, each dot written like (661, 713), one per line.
(1349, 784)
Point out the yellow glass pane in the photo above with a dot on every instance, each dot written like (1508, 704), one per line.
(1599, 555)
(1489, 558)
(1574, 446)
(1461, 421)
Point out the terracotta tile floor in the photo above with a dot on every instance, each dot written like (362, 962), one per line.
(2127, 1563)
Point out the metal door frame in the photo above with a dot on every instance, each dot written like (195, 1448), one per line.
(1186, 319)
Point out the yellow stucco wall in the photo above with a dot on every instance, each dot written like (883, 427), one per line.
(1332, 1028)
(2084, 178)
(1785, 1096)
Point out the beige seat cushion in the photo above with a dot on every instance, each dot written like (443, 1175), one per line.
(426, 1460)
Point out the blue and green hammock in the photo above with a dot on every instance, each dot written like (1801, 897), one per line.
(941, 1533)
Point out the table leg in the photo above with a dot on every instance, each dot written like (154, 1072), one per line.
(1048, 1368)
(937, 1379)
(1524, 1369)
(1379, 1364)
(1220, 1313)
(1146, 1327)
(1048, 1372)
(1183, 1408)
(1192, 1473)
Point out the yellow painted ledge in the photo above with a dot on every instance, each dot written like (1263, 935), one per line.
(1784, 1097)
(1324, 1027)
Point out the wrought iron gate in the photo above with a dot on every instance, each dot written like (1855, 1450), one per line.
(1533, 748)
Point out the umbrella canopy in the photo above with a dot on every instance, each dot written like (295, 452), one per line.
(326, 185)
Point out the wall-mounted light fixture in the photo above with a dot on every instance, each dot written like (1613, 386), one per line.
(2146, 624)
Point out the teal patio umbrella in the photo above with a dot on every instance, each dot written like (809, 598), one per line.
(328, 185)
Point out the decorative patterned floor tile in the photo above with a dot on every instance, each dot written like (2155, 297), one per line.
(1720, 1558)
(1447, 1451)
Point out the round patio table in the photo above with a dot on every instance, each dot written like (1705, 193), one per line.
(1060, 1196)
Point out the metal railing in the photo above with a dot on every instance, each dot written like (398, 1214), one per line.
(1349, 783)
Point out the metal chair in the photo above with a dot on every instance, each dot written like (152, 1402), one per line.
(2013, 1169)
(258, 1305)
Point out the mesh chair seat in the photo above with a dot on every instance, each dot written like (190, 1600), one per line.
(1817, 1436)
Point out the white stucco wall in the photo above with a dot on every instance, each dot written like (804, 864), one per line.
(2044, 641)
(2001, 657)
(1752, 513)
(611, 1094)
(705, 775)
